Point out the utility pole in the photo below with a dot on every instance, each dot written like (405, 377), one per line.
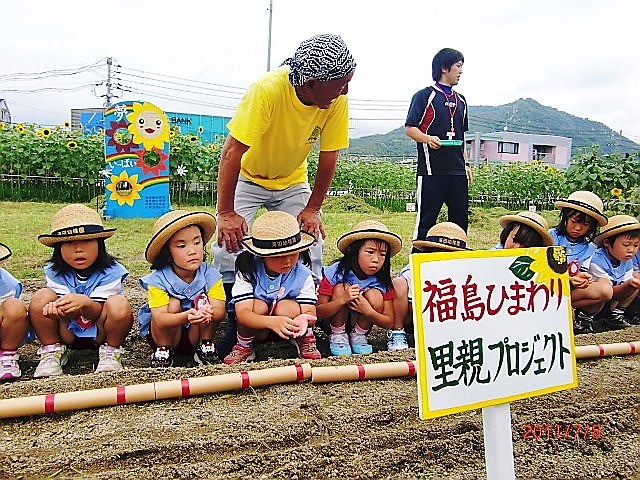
(108, 95)
(269, 41)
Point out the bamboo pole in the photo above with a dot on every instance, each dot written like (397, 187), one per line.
(371, 371)
(607, 349)
(120, 395)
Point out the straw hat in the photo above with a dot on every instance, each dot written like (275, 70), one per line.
(370, 230)
(617, 224)
(586, 202)
(5, 252)
(274, 234)
(75, 222)
(444, 236)
(171, 222)
(533, 220)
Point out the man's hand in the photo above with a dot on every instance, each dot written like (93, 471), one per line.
(232, 228)
(311, 222)
(469, 173)
(433, 142)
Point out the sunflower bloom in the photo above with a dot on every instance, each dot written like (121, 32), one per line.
(616, 192)
(44, 133)
(200, 129)
(550, 265)
(71, 145)
(21, 129)
(124, 188)
(67, 124)
(193, 138)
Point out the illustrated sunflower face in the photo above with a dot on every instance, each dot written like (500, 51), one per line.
(149, 126)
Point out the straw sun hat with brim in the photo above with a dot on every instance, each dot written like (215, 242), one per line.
(444, 236)
(5, 252)
(586, 202)
(75, 222)
(274, 234)
(370, 230)
(616, 225)
(171, 222)
(533, 220)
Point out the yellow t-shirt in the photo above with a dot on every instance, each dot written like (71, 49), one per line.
(280, 131)
(159, 297)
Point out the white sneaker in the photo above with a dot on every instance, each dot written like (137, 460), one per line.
(396, 340)
(109, 359)
(52, 358)
(9, 367)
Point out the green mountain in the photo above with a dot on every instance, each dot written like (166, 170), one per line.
(523, 116)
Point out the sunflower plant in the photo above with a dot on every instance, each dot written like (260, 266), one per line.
(27, 149)
(196, 160)
(614, 177)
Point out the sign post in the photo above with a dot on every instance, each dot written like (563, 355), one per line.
(137, 161)
(492, 326)
(498, 448)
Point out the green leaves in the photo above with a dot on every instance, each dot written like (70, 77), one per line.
(605, 175)
(521, 268)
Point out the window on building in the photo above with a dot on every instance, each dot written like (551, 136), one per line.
(508, 147)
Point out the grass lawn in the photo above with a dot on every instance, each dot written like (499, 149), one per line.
(23, 222)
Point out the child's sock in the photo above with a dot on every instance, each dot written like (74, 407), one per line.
(338, 329)
(359, 330)
(246, 342)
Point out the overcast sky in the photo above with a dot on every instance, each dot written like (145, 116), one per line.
(582, 56)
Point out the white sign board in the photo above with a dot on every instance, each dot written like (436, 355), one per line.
(491, 326)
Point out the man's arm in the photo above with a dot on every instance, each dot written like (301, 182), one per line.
(231, 227)
(415, 134)
(309, 217)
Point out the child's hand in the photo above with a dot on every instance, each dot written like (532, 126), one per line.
(71, 303)
(350, 292)
(635, 282)
(361, 305)
(196, 317)
(581, 280)
(283, 326)
(50, 310)
(302, 322)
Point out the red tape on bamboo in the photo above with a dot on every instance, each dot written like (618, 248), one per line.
(371, 371)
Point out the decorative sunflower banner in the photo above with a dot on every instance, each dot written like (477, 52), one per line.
(137, 161)
(492, 326)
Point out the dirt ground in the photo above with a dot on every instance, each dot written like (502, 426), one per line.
(354, 430)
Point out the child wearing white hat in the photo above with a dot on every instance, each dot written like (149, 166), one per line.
(442, 237)
(524, 230)
(274, 291)
(580, 215)
(357, 291)
(618, 243)
(82, 306)
(13, 321)
(186, 295)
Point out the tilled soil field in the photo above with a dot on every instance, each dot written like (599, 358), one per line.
(354, 430)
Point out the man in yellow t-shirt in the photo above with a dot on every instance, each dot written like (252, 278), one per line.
(264, 160)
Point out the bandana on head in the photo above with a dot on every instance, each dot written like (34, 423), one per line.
(323, 57)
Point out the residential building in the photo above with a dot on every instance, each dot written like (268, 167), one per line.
(507, 146)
